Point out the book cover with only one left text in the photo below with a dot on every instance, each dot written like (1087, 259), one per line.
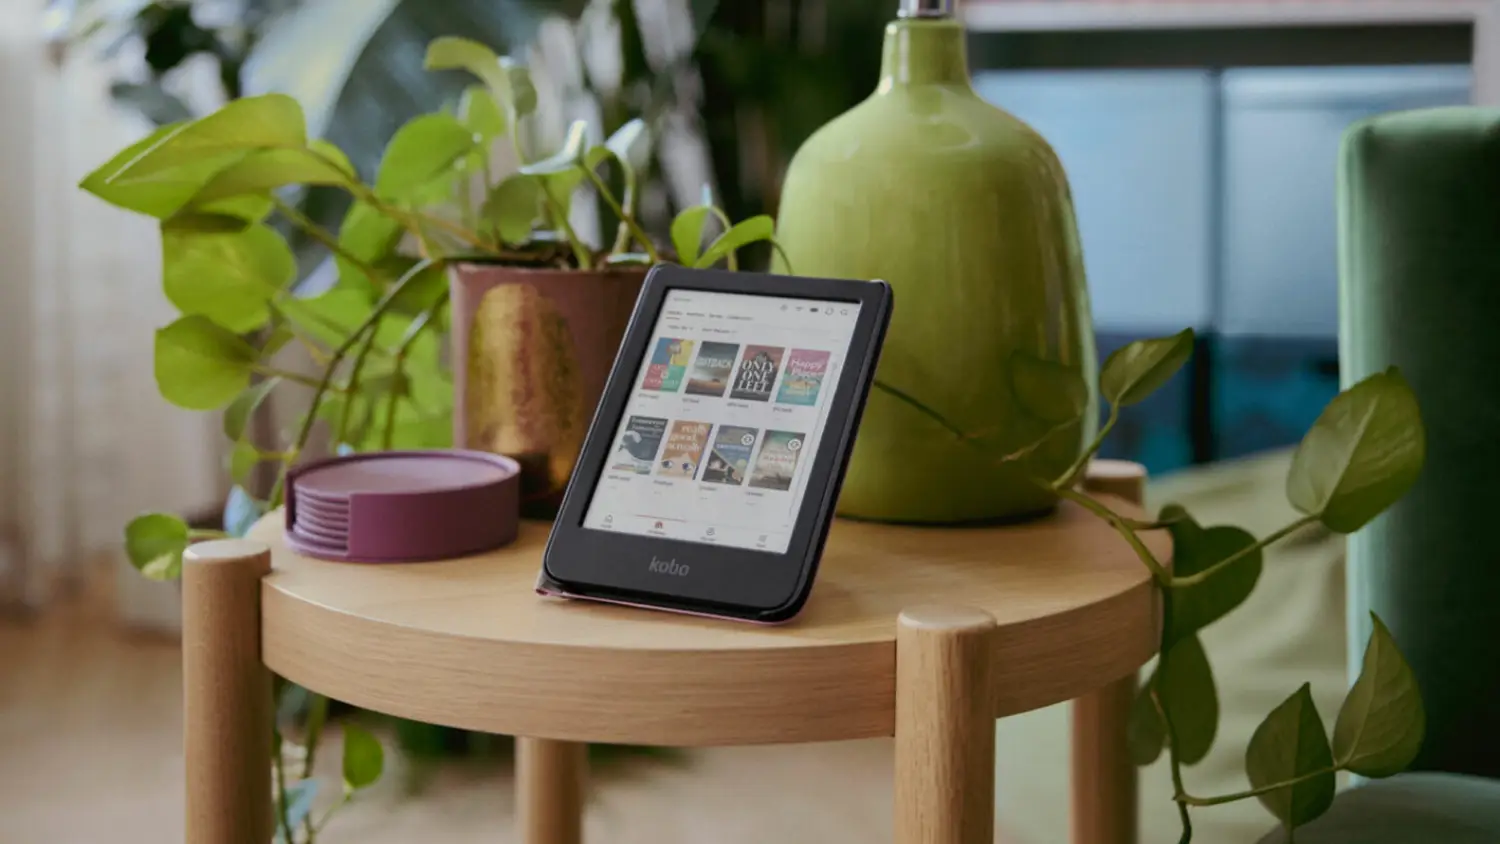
(757, 373)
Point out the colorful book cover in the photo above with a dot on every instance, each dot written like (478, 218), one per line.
(729, 461)
(757, 373)
(777, 461)
(684, 449)
(805, 369)
(636, 451)
(668, 363)
(710, 376)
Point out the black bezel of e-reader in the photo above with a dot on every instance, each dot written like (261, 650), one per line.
(722, 581)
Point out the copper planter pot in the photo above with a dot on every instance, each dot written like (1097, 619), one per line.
(532, 349)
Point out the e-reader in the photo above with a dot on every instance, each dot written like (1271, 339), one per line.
(708, 479)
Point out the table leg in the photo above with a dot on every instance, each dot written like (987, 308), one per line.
(1104, 778)
(945, 727)
(226, 694)
(550, 784)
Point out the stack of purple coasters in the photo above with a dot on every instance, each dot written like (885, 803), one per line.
(402, 506)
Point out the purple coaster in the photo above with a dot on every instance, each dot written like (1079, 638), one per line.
(403, 506)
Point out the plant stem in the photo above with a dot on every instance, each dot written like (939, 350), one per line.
(355, 370)
(413, 331)
(294, 377)
(559, 214)
(1174, 762)
(626, 219)
(278, 769)
(1070, 477)
(1195, 579)
(317, 715)
(328, 813)
(923, 409)
(1221, 799)
(1158, 572)
(776, 244)
(370, 321)
(316, 232)
(628, 202)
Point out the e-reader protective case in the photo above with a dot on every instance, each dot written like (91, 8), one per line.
(647, 439)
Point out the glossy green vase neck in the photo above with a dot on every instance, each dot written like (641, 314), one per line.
(924, 52)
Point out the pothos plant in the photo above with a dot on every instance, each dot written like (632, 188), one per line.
(1361, 455)
(220, 186)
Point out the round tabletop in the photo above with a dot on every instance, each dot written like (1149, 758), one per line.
(468, 643)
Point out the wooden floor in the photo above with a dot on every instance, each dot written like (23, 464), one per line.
(91, 752)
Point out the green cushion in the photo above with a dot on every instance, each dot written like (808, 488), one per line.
(1419, 251)
(1408, 809)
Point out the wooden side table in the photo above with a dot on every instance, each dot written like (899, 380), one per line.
(925, 634)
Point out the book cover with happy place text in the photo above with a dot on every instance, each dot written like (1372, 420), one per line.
(803, 378)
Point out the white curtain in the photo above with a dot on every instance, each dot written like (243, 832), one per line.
(85, 441)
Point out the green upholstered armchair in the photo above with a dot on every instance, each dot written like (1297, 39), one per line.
(1419, 254)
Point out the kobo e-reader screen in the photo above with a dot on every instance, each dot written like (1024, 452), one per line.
(725, 416)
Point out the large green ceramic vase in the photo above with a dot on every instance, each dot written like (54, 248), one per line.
(966, 212)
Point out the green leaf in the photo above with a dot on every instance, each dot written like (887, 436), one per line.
(626, 144)
(1186, 686)
(1050, 391)
(1195, 549)
(749, 231)
(1138, 369)
(204, 222)
(522, 90)
(424, 149)
(568, 157)
(154, 543)
(263, 171)
(687, 233)
(419, 294)
(201, 365)
(238, 414)
(268, 121)
(166, 192)
(1382, 722)
(332, 316)
(512, 207)
(364, 758)
(1291, 743)
(451, 52)
(1145, 735)
(1364, 452)
(478, 111)
(369, 235)
(243, 458)
(228, 278)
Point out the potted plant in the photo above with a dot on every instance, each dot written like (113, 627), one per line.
(536, 310)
